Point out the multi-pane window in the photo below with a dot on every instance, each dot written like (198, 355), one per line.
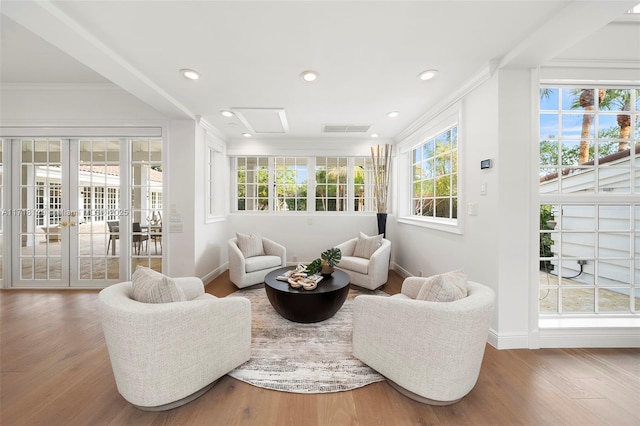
(331, 184)
(113, 203)
(435, 176)
(291, 181)
(363, 184)
(322, 184)
(252, 180)
(589, 180)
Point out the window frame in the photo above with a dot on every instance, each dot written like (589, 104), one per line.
(563, 197)
(213, 187)
(450, 118)
(352, 161)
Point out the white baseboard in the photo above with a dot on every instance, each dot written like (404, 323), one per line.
(612, 337)
(402, 272)
(508, 340)
(215, 273)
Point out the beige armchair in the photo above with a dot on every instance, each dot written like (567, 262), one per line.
(429, 351)
(369, 273)
(164, 355)
(246, 269)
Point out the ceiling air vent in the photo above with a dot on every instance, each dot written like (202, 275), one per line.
(345, 128)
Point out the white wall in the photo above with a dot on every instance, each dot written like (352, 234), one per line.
(433, 251)
(210, 238)
(304, 235)
(108, 106)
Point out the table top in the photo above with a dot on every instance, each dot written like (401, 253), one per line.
(337, 281)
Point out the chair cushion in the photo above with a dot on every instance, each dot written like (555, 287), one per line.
(366, 246)
(150, 286)
(355, 264)
(446, 287)
(258, 263)
(250, 245)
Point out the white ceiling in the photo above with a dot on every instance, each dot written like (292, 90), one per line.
(250, 54)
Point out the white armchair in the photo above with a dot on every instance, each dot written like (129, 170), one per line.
(429, 351)
(369, 273)
(164, 355)
(246, 271)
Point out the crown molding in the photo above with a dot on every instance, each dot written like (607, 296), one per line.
(210, 128)
(61, 87)
(479, 78)
(593, 63)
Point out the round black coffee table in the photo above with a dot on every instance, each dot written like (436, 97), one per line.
(307, 306)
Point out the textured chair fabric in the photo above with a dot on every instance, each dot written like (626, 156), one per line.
(430, 351)
(165, 354)
(368, 273)
(245, 272)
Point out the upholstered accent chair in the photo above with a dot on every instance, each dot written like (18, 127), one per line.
(164, 355)
(251, 257)
(429, 351)
(366, 265)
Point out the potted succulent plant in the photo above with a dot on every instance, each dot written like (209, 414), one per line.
(330, 258)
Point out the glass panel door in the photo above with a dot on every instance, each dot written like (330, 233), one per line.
(40, 213)
(101, 240)
(68, 191)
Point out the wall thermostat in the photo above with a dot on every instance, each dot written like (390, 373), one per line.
(485, 164)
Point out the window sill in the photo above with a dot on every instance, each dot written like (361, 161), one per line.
(215, 219)
(444, 226)
(586, 323)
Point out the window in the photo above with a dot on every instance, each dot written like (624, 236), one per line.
(331, 184)
(434, 181)
(304, 184)
(589, 181)
(291, 181)
(252, 180)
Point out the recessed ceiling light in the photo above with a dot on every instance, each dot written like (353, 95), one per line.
(226, 113)
(374, 135)
(427, 75)
(246, 135)
(393, 114)
(309, 76)
(190, 74)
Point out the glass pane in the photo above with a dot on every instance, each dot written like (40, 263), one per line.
(548, 300)
(549, 128)
(578, 245)
(577, 126)
(578, 300)
(613, 300)
(549, 99)
(614, 272)
(579, 217)
(614, 217)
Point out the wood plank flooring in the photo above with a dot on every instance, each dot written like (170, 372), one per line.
(55, 371)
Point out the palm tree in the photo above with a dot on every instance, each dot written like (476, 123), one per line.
(586, 101)
(620, 100)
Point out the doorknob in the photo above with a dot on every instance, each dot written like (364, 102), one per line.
(63, 223)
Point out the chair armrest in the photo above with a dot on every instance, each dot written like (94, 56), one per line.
(411, 286)
(152, 344)
(347, 247)
(192, 286)
(237, 264)
(379, 260)
(274, 249)
(425, 342)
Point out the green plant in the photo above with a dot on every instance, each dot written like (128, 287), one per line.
(331, 256)
(314, 267)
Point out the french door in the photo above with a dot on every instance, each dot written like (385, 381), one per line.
(74, 204)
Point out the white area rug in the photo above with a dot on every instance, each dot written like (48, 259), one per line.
(302, 358)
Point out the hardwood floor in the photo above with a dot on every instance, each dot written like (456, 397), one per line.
(55, 371)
